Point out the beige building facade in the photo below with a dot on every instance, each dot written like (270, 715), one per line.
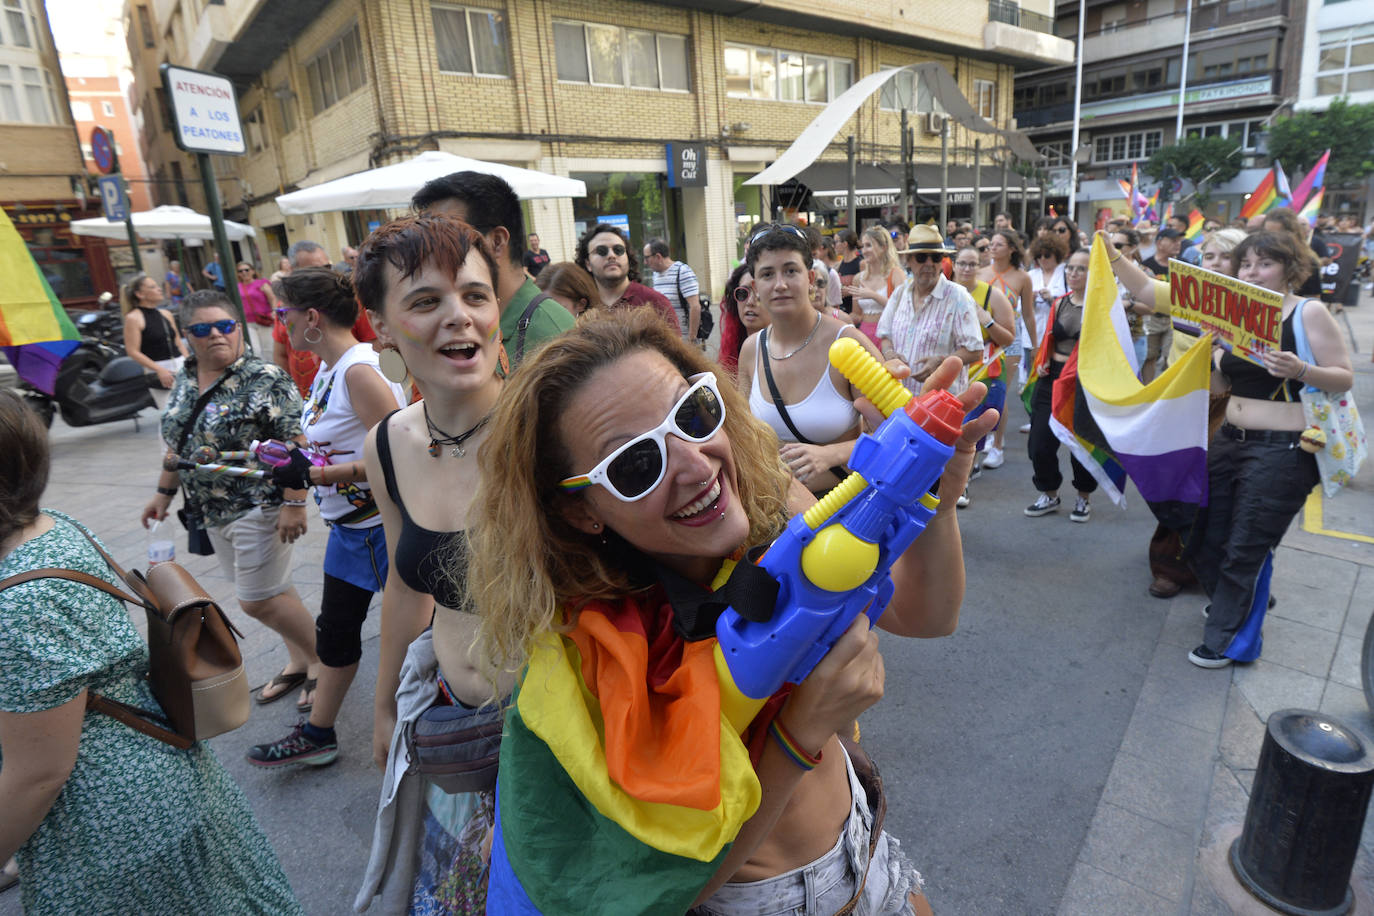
(592, 90)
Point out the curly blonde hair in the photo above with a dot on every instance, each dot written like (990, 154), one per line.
(528, 566)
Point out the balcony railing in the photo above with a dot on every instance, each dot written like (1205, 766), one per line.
(1230, 12)
(1011, 13)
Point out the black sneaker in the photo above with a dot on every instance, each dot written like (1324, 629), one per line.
(296, 747)
(1043, 506)
(1081, 511)
(1204, 657)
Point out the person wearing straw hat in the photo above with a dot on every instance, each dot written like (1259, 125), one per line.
(930, 317)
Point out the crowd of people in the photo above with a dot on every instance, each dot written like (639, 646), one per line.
(545, 468)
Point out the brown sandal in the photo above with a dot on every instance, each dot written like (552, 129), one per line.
(286, 681)
(306, 689)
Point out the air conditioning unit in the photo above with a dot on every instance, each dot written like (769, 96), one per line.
(935, 122)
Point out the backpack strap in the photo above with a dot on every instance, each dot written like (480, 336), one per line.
(523, 325)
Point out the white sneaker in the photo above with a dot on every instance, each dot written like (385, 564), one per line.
(993, 457)
(1081, 511)
(1025, 427)
(963, 500)
(1043, 505)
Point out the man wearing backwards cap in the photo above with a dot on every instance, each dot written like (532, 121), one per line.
(931, 317)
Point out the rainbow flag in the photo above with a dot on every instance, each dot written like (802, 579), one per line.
(1156, 432)
(1168, 213)
(1271, 192)
(1312, 209)
(623, 776)
(1195, 221)
(35, 332)
(1312, 181)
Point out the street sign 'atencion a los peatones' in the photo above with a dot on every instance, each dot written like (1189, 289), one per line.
(205, 111)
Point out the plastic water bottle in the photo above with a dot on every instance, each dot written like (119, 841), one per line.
(161, 549)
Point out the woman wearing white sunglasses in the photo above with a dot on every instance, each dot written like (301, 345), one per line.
(622, 474)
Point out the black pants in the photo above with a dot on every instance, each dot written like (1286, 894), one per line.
(1254, 491)
(1043, 445)
(339, 626)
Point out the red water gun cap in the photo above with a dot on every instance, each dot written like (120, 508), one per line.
(938, 413)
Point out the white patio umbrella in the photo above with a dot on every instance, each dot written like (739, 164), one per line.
(394, 185)
(166, 222)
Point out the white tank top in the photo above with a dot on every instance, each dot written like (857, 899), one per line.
(823, 416)
(331, 425)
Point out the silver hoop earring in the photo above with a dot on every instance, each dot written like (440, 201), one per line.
(393, 366)
(319, 335)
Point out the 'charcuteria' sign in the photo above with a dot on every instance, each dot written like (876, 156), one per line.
(205, 111)
(1245, 319)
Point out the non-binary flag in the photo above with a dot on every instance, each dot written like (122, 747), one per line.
(1156, 432)
(35, 332)
(1311, 182)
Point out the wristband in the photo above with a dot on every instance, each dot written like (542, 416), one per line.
(1300, 375)
(167, 491)
(294, 503)
(791, 748)
(989, 324)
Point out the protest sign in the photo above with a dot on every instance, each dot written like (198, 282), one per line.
(1245, 319)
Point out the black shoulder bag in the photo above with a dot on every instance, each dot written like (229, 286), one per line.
(838, 471)
(704, 320)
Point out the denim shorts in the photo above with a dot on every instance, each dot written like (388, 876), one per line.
(821, 888)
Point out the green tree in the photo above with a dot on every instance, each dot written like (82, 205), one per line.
(1347, 130)
(1204, 161)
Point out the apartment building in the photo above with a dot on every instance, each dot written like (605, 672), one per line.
(1242, 70)
(1338, 60)
(592, 90)
(42, 178)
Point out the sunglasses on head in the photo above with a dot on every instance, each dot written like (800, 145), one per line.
(921, 257)
(602, 251)
(632, 471)
(225, 326)
(775, 227)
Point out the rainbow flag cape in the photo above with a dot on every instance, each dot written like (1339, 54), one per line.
(623, 777)
(1312, 209)
(1312, 181)
(1195, 221)
(1156, 432)
(1070, 419)
(35, 332)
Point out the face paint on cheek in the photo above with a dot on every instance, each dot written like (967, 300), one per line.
(409, 332)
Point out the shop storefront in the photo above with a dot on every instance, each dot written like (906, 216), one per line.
(77, 267)
(640, 203)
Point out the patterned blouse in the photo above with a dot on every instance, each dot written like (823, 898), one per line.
(943, 322)
(251, 400)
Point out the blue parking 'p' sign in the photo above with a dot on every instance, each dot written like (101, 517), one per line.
(112, 198)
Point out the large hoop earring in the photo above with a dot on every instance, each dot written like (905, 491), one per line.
(393, 366)
(319, 335)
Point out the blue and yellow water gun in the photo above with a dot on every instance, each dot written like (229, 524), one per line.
(833, 561)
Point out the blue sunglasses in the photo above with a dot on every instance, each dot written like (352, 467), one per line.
(225, 326)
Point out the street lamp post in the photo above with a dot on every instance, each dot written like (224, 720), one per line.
(1077, 112)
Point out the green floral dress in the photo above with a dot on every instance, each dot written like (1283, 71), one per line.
(139, 827)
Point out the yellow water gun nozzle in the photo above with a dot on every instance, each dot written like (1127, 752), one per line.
(877, 384)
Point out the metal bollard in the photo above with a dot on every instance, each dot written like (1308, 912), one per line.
(1306, 813)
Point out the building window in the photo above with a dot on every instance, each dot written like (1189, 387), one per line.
(1127, 147)
(9, 99)
(145, 27)
(82, 111)
(907, 91)
(286, 106)
(471, 42)
(1231, 61)
(788, 76)
(1057, 154)
(1246, 133)
(107, 108)
(1346, 61)
(34, 97)
(336, 72)
(253, 128)
(985, 94)
(16, 26)
(607, 55)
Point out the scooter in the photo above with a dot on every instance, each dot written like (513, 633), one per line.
(105, 324)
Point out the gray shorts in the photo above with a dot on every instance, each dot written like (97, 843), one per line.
(821, 888)
(251, 554)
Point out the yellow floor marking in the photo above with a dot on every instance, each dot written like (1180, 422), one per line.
(1312, 520)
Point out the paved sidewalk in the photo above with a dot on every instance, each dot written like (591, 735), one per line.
(1181, 781)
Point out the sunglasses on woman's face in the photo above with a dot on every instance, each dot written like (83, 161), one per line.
(225, 326)
(602, 251)
(632, 471)
(743, 294)
(982, 247)
(1062, 230)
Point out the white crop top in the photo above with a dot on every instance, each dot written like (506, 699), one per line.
(823, 416)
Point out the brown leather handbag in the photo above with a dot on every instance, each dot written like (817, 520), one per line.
(195, 666)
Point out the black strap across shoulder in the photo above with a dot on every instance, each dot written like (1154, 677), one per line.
(773, 389)
(524, 323)
(384, 458)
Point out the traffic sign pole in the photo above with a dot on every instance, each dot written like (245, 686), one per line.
(129, 227)
(226, 260)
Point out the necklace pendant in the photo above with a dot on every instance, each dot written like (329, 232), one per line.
(458, 451)
(433, 449)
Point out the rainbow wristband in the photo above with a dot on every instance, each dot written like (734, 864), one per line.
(790, 747)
